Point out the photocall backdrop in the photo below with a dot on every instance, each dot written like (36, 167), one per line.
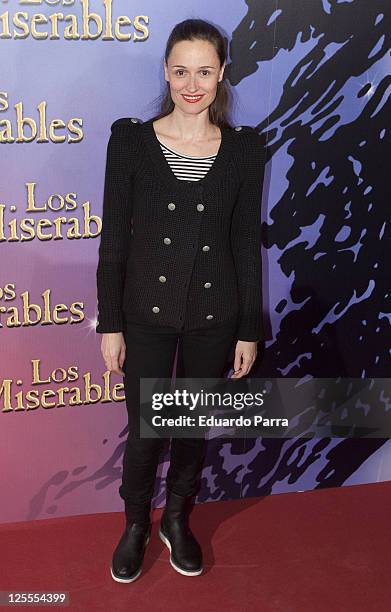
(314, 77)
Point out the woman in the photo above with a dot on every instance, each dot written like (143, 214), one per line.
(178, 259)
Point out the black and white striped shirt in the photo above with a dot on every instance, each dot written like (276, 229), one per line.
(187, 167)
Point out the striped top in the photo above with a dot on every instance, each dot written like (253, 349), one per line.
(187, 167)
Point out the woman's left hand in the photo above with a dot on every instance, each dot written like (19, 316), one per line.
(245, 354)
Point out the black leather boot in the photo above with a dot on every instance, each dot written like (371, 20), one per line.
(129, 553)
(174, 531)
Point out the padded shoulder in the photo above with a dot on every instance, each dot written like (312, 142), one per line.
(126, 122)
(244, 129)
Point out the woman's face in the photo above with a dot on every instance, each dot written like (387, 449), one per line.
(193, 72)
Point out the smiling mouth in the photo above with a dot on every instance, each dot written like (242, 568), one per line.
(192, 98)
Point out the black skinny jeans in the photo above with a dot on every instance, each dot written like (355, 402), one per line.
(150, 353)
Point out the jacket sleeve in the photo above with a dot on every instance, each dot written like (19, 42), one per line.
(116, 226)
(246, 238)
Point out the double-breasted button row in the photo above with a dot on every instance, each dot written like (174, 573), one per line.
(156, 309)
(171, 206)
(163, 279)
(205, 248)
(167, 240)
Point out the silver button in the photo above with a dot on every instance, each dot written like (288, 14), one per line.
(171, 206)
(162, 279)
(206, 248)
(167, 241)
(156, 309)
(207, 285)
(200, 207)
(238, 128)
(209, 316)
(134, 120)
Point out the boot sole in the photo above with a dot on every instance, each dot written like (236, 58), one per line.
(132, 578)
(176, 567)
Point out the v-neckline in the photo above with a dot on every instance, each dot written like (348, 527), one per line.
(165, 172)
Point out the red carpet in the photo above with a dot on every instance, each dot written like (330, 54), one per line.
(327, 550)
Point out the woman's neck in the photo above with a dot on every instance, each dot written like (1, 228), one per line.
(188, 128)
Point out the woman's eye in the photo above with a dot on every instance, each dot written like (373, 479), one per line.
(180, 72)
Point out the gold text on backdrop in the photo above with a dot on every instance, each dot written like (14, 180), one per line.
(87, 26)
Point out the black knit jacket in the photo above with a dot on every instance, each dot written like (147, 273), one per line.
(181, 253)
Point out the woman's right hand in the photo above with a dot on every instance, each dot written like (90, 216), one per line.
(113, 349)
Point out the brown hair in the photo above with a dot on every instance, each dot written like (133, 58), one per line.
(198, 29)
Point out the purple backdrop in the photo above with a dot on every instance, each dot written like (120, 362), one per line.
(307, 76)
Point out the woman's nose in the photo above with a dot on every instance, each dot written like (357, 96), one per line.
(192, 83)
